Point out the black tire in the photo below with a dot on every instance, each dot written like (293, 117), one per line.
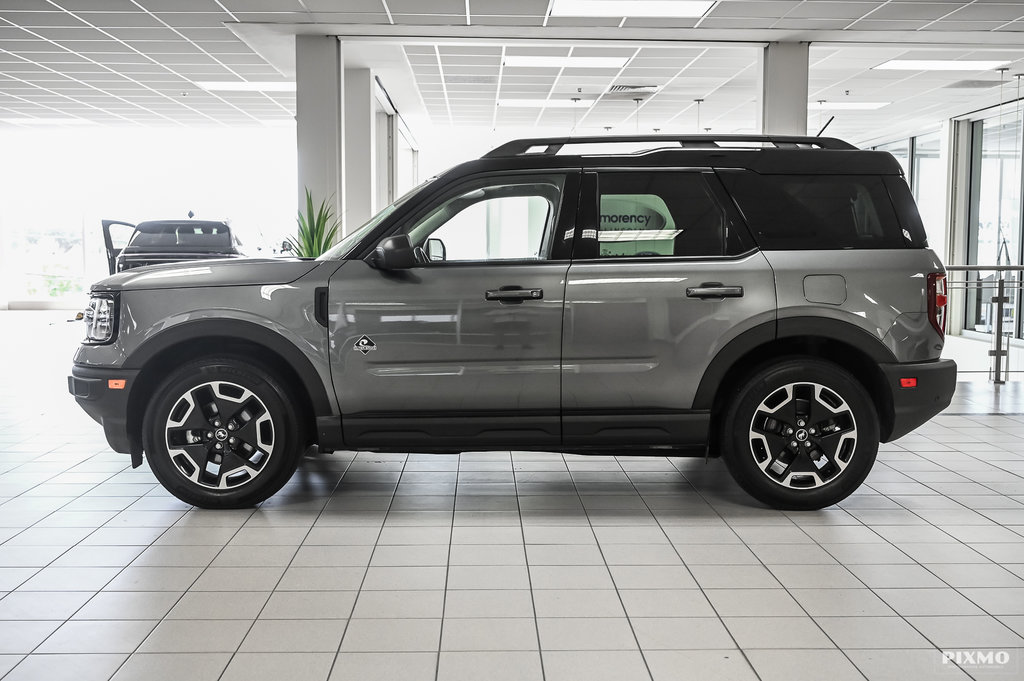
(255, 459)
(760, 426)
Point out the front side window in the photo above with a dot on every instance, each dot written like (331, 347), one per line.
(506, 218)
(658, 214)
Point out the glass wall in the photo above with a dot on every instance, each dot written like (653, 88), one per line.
(994, 236)
(56, 186)
(901, 150)
(928, 182)
(925, 171)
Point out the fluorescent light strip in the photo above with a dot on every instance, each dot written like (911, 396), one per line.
(938, 65)
(684, 9)
(247, 86)
(565, 62)
(47, 121)
(846, 106)
(544, 103)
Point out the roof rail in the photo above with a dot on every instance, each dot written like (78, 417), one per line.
(549, 146)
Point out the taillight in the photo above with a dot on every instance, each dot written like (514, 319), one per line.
(937, 301)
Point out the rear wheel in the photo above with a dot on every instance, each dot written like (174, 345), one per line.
(801, 434)
(221, 433)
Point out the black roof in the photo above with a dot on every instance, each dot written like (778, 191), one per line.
(775, 154)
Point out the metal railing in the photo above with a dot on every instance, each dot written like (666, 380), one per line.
(999, 310)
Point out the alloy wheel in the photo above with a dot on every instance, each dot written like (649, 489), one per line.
(219, 435)
(803, 435)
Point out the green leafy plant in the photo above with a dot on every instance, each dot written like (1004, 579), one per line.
(317, 229)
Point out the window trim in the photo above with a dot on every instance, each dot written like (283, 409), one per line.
(564, 218)
(590, 210)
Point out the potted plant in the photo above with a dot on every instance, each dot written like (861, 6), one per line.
(317, 229)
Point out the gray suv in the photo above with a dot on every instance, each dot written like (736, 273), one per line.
(769, 300)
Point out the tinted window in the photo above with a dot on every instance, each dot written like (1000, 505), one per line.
(652, 214)
(176, 235)
(496, 219)
(815, 212)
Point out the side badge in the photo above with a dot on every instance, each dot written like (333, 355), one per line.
(365, 345)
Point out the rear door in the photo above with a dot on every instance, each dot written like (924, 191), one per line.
(463, 350)
(663, 276)
(116, 236)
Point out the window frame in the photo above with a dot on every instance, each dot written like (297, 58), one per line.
(884, 186)
(590, 211)
(554, 250)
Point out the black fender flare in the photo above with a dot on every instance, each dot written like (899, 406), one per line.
(790, 327)
(243, 330)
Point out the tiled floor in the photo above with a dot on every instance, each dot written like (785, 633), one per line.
(501, 565)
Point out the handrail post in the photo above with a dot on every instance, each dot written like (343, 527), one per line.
(997, 353)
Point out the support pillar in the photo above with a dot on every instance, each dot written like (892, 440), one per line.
(783, 81)
(320, 119)
(360, 145)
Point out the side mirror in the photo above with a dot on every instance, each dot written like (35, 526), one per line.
(436, 252)
(394, 253)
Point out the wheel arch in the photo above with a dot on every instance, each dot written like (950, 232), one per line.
(838, 342)
(157, 356)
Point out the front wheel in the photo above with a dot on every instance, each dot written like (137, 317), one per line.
(801, 434)
(221, 433)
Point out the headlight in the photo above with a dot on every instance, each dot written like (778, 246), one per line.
(101, 319)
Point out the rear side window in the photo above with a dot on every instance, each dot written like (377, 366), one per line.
(658, 214)
(817, 212)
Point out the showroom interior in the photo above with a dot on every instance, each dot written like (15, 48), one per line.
(507, 564)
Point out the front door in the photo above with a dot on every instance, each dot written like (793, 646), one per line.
(463, 350)
(116, 235)
(663, 277)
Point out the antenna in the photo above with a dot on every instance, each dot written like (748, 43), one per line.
(698, 113)
(636, 116)
(832, 118)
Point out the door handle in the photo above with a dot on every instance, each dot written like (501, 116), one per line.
(714, 290)
(514, 294)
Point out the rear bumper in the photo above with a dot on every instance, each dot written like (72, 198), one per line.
(936, 382)
(107, 405)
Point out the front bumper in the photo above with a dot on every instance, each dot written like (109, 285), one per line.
(936, 382)
(103, 394)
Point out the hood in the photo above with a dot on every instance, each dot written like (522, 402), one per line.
(228, 272)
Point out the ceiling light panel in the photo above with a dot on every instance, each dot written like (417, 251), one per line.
(938, 65)
(526, 61)
(846, 106)
(543, 103)
(247, 86)
(633, 8)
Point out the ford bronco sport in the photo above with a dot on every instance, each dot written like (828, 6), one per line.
(769, 300)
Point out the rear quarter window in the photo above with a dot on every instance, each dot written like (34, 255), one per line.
(818, 212)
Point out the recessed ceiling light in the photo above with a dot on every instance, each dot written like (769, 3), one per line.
(566, 62)
(633, 8)
(938, 65)
(247, 85)
(847, 106)
(544, 103)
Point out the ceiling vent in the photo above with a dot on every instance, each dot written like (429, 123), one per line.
(972, 84)
(632, 90)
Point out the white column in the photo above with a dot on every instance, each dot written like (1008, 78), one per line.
(783, 81)
(360, 148)
(320, 118)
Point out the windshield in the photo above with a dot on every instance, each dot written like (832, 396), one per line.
(350, 240)
(181, 234)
